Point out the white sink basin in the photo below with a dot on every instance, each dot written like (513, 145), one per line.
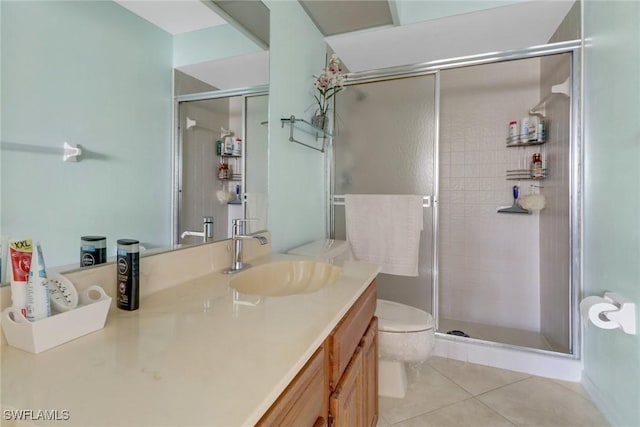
(285, 278)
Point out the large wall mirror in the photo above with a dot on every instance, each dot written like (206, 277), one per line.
(105, 76)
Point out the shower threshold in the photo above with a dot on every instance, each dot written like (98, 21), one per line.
(500, 334)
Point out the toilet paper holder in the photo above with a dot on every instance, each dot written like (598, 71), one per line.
(622, 315)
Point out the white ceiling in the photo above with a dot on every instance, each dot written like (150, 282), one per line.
(232, 73)
(174, 16)
(515, 26)
(182, 16)
(469, 31)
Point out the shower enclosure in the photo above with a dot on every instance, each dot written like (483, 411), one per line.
(385, 144)
(440, 131)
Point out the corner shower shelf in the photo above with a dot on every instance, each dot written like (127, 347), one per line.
(307, 128)
(525, 144)
(522, 174)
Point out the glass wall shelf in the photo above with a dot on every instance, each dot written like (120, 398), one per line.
(308, 128)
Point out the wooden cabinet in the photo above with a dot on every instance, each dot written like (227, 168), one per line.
(305, 401)
(338, 387)
(354, 365)
(347, 404)
(354, 400)
(346, 336)
(369, 346)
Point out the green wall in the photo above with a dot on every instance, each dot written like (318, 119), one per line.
(94, 74)
(612, 199)
(296, 173)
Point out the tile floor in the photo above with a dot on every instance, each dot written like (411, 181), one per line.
(450, 393)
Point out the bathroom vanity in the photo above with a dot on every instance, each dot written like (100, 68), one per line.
(198, 353)
(341, 377)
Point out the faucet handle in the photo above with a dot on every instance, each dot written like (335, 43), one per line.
(237, 221)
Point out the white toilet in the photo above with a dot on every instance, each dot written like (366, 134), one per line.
(405, 334)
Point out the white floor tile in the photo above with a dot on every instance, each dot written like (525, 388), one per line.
(476, 379)
(428, 390)
(467, 413)
(540, 402)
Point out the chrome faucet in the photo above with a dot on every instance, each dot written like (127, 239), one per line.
(237, 236)
(207, 230)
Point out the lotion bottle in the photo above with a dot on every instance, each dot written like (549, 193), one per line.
(38, 303)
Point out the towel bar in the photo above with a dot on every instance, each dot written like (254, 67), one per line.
(339, 201)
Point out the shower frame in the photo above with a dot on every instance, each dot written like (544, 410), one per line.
(572, 47)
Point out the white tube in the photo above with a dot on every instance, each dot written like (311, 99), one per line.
(38, 303)
(20, 261)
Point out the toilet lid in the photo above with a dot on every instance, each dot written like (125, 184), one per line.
(396, 317)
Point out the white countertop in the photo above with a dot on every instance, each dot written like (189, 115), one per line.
(188, 357)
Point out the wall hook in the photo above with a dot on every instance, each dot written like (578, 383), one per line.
(71, 152)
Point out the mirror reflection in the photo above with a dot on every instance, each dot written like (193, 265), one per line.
(222, 150)
(99, 75)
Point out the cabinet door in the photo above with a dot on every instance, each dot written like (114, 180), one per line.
(369, 345)
(347, 401)
(348, 334)
(304, 402)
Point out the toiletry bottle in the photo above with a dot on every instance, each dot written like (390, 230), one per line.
(542, 131)
(513, 132)
(93, 250)
(228, 145)
(20, 253)
(38, 302)
(536, 167)
(128, 265)
(524, 129)
(533, 128)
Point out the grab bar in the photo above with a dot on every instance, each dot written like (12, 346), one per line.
(339, 201)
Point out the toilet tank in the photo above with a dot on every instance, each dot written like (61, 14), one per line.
(324, 250)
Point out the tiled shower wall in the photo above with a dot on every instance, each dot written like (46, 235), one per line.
(199, 162)
(488, 262)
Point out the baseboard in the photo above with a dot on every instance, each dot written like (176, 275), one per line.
(540, 363)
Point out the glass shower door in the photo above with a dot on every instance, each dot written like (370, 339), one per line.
(385, 143)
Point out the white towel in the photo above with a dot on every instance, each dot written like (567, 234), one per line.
(385, 230)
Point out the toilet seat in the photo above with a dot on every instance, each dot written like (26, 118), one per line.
(396, 317)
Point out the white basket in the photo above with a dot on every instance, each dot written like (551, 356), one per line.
(41, 335)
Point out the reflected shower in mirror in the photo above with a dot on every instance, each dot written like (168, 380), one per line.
(221, 161)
